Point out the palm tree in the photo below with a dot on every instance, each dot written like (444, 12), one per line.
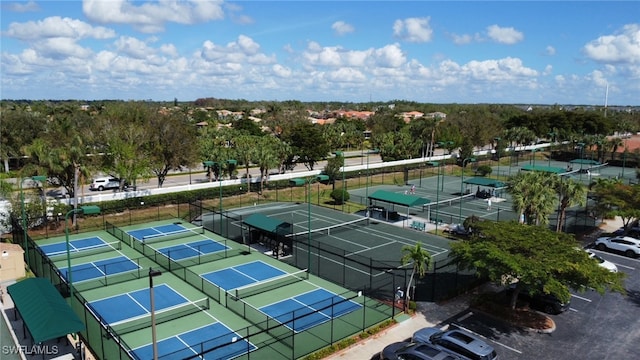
(571, 193)
(266, 156)
(533, 195)
(613, 144)
(419, 257)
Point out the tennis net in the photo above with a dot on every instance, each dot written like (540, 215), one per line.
(449, 202)
(161, 316)
(88, 251)
(334, 229)
(178, 234)
(270, 284)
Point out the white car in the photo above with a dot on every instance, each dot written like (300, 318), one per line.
(602, 262)
(625, 244)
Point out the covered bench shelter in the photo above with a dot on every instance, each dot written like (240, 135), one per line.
(486, 182)
(271, 232)
(586, 163)
(44, 312)
(394, 198)
(547, 169)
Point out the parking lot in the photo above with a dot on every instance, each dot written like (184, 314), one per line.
(595, 327)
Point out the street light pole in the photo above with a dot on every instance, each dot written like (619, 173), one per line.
(366, 196)
(88, 210)
(24, 214)
(462, 184)
(309, 224)
(437, 197)
(152, 274)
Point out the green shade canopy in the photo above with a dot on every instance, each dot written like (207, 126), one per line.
(45, 313)
(297, 182)
(585, 162)
(322, 177)
(484, 182)
(549, 169)
(398, 199)
(265, 223)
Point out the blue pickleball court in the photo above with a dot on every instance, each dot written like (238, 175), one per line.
(161, 230)
(135, 304)
(97, 269)
(75, 246)
(192, 249)
(214, 341)
(310, 309)
(242, 275)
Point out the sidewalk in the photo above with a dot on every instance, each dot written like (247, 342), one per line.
(427, 314)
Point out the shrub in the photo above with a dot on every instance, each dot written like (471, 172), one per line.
(484, 170)
(338, 195)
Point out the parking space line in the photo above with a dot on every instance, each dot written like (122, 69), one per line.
(581, 298)
(479, 335)
(625, 266)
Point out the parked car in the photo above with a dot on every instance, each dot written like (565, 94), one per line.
(415, 351)
(458, 341)
(457, 229)
(104, 183)
(602, 262)
(547, 303)
(624, 244)
(633, 231)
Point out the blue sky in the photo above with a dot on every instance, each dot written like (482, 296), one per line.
(541, 52)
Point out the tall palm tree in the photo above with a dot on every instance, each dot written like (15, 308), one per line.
(266, 156)
(571, 193)
(419, 257)
(533, 195)
(613, 145)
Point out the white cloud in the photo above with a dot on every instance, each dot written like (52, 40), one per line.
(498, 70)
(550, 50)
(504, 35)
(169, 49)
(133, 47)
(390, 56)
(60, 48)
(281, 71)
(342, 28)
(235, 52)
(461, 39)
(413, 30)
(622, 47)
(151, 17)
(56, 26)
(21, 7)
(346, 75)
(547, 70)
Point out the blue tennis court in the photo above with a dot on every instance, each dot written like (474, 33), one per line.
(135, 304)
(242, 275)
(300, 312)
(192, 249)
(161, 230)
(210, 338)
(75, 246)
(100, 268)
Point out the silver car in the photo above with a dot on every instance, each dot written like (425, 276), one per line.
(458, 341)
(624, 244)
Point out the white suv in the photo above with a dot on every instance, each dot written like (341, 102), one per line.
(625, 244)
(104, 183)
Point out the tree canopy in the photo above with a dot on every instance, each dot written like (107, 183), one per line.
(533, 257)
